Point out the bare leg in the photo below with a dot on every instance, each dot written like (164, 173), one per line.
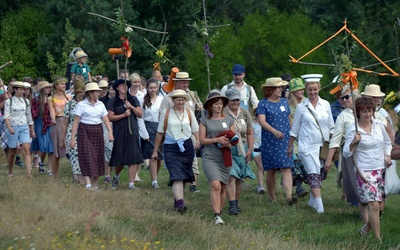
(287, 182)
(177, 190)
(27, 156)
(373, 216)
(271, 180)
(260, 170)
(55, 164)
(11, 158)
(216, 196)
(231, 188)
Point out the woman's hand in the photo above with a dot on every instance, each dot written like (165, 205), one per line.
(327, 165)
(248, 156)
(154, 156)
(278, 134)
(388, 161)
(53, 122)
(196, 145)
(127, 112)
(11, 130)
(289, 151)
(110, 137)
(222, 140)
(128, 105)
(72, 142)
(356, 139)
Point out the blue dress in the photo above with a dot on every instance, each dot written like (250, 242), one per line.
(273, 150)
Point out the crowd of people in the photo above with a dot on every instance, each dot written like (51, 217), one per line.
(102, 126)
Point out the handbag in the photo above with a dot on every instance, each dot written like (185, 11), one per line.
(324, 150)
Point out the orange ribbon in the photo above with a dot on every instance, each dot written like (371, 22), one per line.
(156, 66)
(346, 78)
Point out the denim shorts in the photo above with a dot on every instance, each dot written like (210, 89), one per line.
(254, 154)
(21, 136)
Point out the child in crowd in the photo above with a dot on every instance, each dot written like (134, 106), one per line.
(81, 67)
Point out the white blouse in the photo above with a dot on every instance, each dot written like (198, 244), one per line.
(343, 123)
(305, 128)
(152, 114)
(90, 114)
(372, 149)
(19, 113)
(178, 128)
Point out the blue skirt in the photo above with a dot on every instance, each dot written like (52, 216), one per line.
(42, 142)
(179, 164)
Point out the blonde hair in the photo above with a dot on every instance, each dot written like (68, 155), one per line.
(293, 100)
(134, 77)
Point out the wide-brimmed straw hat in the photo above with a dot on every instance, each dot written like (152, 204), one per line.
(103, 84)
(179, 93)
(273, 82)
(27, 85)
(215, 94)
(182, 76)
(79, 86)
(121, 81)
(43, 84)
(80, 54)
(91, 86)
(17, 84)
(373, 90)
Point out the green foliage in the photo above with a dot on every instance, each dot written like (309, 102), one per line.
(18, 43)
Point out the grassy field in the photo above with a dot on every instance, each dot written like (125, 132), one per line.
(41, 213)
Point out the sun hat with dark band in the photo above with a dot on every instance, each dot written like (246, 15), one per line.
(373, 90)
(182, 76)
(215, 94)
(179, 93)
(92, 86)
(273, 82)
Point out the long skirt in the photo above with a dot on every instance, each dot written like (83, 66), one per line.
(179, 164)
(91, 149)
(56, 135)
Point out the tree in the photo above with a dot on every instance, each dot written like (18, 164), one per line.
(18, 42)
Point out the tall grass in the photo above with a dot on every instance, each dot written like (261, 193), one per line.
(41, 213)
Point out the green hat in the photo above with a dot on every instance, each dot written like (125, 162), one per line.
(296, 84)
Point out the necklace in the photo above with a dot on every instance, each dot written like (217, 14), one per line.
(181, 120)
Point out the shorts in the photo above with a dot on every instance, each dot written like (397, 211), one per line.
(21, 136)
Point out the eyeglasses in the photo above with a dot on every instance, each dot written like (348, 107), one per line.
(346, 97)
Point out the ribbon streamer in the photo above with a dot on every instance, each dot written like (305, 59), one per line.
(207, 50)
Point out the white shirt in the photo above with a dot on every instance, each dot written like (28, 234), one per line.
(175, 126)
(142, 127)
(343, 123)
(18, 114)
(372, 149)
(247, 93)
(152, 114)
(305, 128)
(90, 114)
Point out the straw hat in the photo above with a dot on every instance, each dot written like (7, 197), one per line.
(373, 90)
(312, 77)
(182, 76)
(91, 87)
(103, 84)
(17, 84)
(273, 82)
(43, 84)
(179, 93)
(79, 86)
(121, 81)
(80, 54)
(213, 95)
(296, 84)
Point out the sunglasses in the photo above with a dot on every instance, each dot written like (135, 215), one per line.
(346, 97)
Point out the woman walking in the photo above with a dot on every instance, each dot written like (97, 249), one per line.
(274, 118)
(18, 119)
(151, 105)
(214, 166)
(371, 148)
(241, 153)
(123, 111)
(177, 124)
(313, 124)
(88, 131)
(56, 106)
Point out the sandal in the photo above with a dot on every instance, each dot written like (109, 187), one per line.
(363, 230)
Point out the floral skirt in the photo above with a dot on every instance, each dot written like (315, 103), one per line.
(374, 190)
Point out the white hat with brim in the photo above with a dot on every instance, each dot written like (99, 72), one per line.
(17, 84)
(373, 90)
(182, 76)
(27, 85)
(273, 82)
(312, 77)
(103, 84)
(179, 93)
(80, 54)
(92, 86)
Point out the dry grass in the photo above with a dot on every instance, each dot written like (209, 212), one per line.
(46, 214)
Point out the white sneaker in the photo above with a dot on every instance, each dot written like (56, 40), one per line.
(319, 206)
(320, 209)
(218, 220)
(311, 203)
(260, 190)
(137, 178)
